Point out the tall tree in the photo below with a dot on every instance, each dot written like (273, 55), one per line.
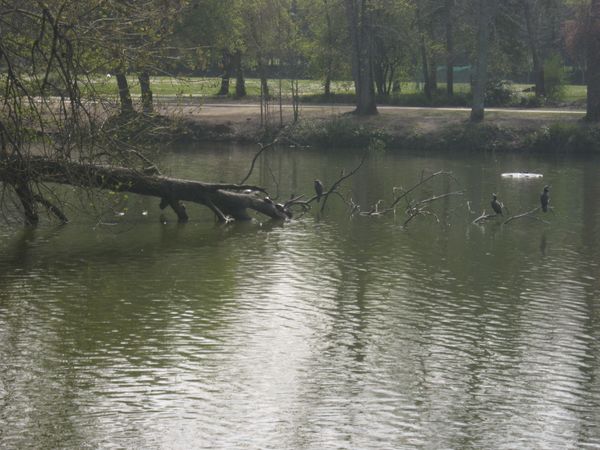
(449, 31)
(131, 37)
(359, 25)
(423, 47)
(325, 40)
(261, 21)
(212, 29)
(593, 72)
(529, 10)
(484, 14)
(392, 42)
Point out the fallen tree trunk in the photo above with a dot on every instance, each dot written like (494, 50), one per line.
(227, 201)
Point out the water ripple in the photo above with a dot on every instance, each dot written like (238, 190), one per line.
(317, 334)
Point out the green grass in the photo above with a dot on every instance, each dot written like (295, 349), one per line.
(207, 87)
(310, 90)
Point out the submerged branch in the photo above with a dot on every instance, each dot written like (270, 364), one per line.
(528, 214)
(51, 207)
(484, 216)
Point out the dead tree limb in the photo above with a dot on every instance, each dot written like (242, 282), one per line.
(232, 200)
(419, 208)
(418, 212)
(51, 207)
(305, 204)
(339, 181)
(420, 183)
(438, 197)
(262, 149)
(484, 216)
(528, 214)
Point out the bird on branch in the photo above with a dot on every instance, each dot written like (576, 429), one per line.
(545, 198)
(496, 205)
(319, 189)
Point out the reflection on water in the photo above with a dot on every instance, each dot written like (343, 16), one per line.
(329, 333)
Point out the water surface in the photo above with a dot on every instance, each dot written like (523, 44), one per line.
(121, 331)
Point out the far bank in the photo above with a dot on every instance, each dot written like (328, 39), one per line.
(393, 128)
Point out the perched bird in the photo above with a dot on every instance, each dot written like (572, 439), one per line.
(496, 205)
(545, 198)
(318, 189)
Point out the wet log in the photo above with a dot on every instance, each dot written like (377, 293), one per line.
(227, 201)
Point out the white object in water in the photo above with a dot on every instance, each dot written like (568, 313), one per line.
(522, 175)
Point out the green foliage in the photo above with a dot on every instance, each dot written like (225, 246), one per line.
(555, 78)
(325, 40)
(530, 101)
(498, 93)
(340, 132)
(475, 137)
(566, 137)
(438, 99)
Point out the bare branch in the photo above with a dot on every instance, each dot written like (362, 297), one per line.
(420, 183)
(528, 214)
(51, 208)
(339, 181)
(262, 149)
(483, 217)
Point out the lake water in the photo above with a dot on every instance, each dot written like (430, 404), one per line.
(330, 331)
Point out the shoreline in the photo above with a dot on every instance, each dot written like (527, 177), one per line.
(394, 128)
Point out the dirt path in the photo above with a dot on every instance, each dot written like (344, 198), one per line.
(244, 118)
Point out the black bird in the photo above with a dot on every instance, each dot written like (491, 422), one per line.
(545, 198)
(318, 189)
(496, 205)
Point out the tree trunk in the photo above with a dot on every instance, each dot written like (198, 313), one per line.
(262, 73)
(226, 75)
(124, 93)
(240, 84)
(147, 105)
(327, 85)
(538, 66)
(449, 49)
(379, 80)
(330, 51)
(593, 72)
(423, 52)
(380, 68)
(425, 70)
(23, 190)
(225, 200)
(362, 65)
(477, 109)
(433, 75)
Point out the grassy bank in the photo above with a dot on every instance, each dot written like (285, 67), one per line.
(331, 125)
(575, 137)
(391, 130)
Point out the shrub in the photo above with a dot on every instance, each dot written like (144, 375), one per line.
(498, 93)
(338, 132)
(476, 137)
(566, 137)
(530, 101)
